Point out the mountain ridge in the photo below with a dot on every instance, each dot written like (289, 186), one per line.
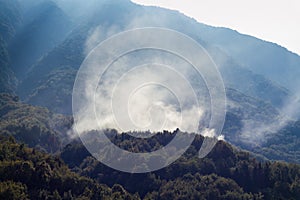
(53, 71)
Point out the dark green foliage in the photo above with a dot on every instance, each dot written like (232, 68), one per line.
(74, 153)
(225, 173)
(11, 190)
(35, 126)
(201, 187)
(27, 173)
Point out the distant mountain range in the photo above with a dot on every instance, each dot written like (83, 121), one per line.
(43, 44)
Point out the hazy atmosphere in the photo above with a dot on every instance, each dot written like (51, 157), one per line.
(274, 21)
(154, 100)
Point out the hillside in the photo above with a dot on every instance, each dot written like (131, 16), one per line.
(43, 27)
(209, 178)
(29, 174)
(42, 46)
(259, 106)
(68, 55)
(225, 174)
(10, 18)
(35, 126)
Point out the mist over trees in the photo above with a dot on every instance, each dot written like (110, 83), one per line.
(42, 45)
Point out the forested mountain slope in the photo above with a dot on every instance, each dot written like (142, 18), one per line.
(29, 174)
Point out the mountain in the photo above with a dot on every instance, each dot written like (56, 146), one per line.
(252, 84)
(268, 59)
(249, 113)
(260, 104)
(283, 145)
(10, 18)
(42, 45)
(128, 15)
(67, 57)
(40, 128)
(256, 126)
(43, 27)
(30, 174)
(226, 173)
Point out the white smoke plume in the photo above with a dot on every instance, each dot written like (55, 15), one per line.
(148, 90)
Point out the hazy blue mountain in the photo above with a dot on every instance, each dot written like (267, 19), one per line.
(252, 84)
(68, 57)
(9, 21)
(70, 53)
(44, 81)
(42, 45)
(284, 145)
(271, 60)
(259, 102)
(43, 27)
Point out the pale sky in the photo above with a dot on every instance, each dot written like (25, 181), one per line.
(276, 21)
